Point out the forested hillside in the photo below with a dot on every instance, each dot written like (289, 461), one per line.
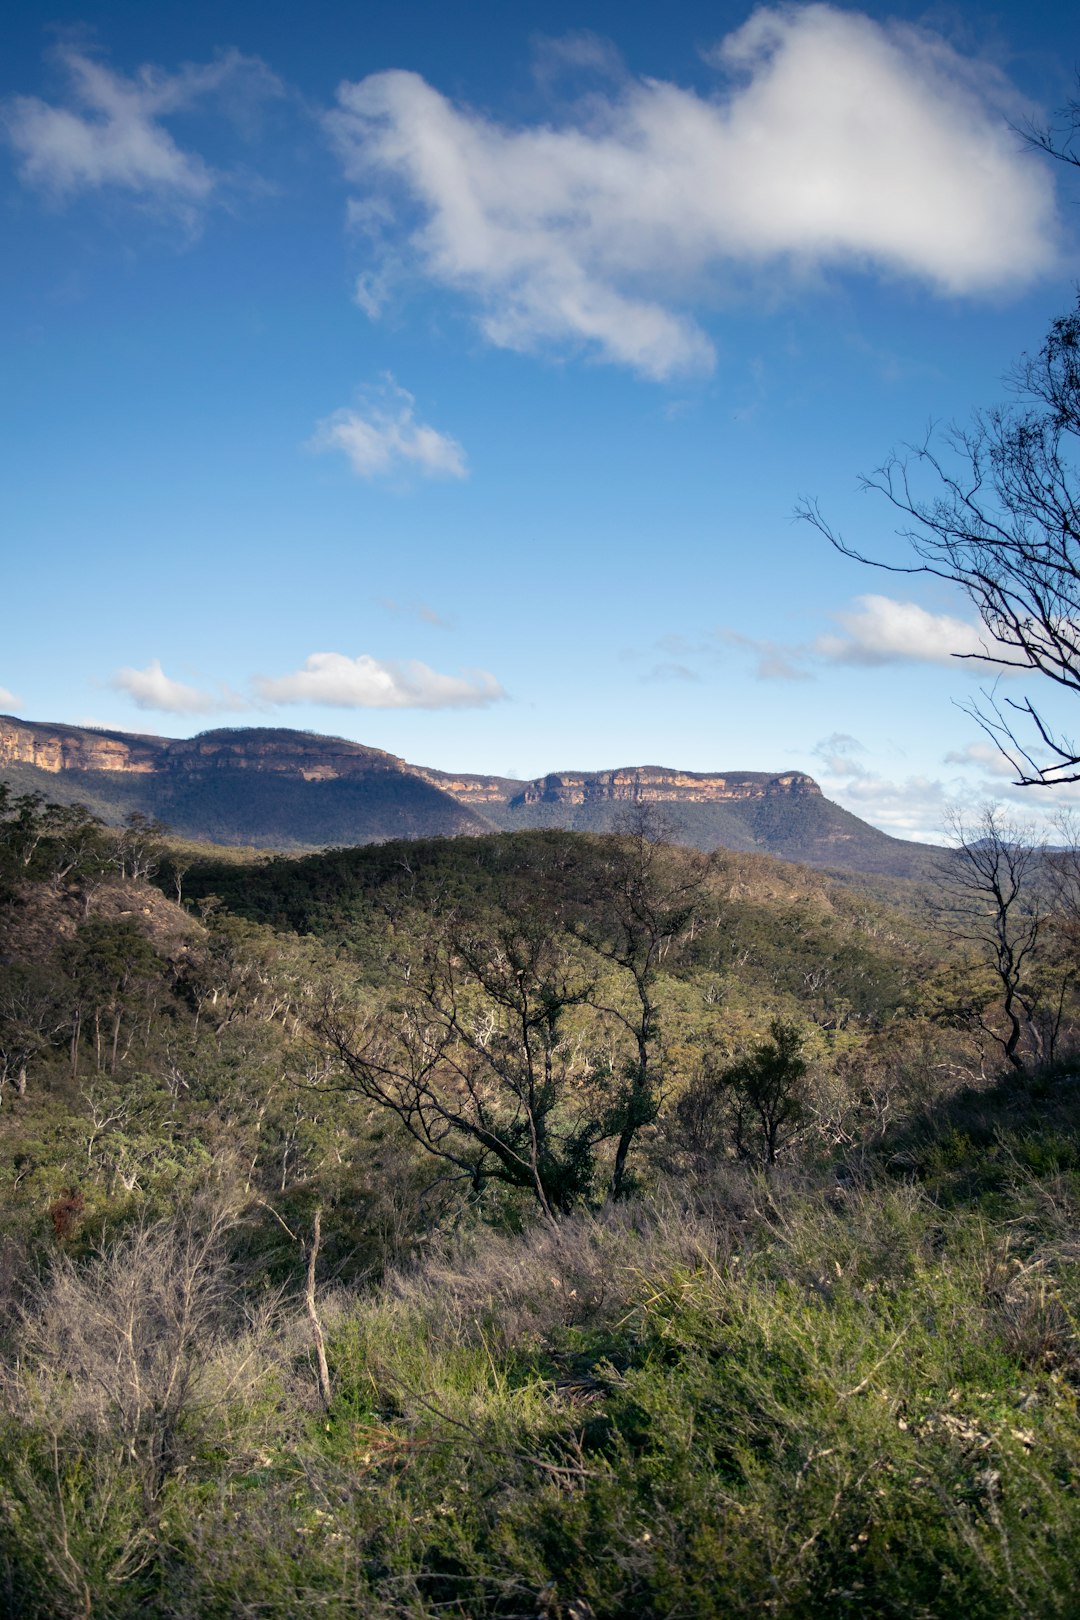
(536, 1224)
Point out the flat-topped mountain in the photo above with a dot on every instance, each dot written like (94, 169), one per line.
(245, 785)
(287, 789)
(262, 748)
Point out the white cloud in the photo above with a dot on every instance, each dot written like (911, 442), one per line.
(914, 807)
(921, 806)
(9, 699)
(835, 141)
(368, 683)
(151, 688)
(111, 132)
(383, 435)
(983, 756)
(884, 631)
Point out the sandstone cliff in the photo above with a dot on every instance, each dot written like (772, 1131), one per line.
(292, 753)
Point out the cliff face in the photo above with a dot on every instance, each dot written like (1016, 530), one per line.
(471, 790)
(634, 784)
(649, 784)
(248, 785)
(289, 753)
(312, 758)
(70, 748)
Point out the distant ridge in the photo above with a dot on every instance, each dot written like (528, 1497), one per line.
(283, 789)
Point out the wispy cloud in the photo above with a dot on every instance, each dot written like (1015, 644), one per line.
(339, 682)
(9, 699)
(840, 754)
(417, 610)
(151, 688)
(832, 141)
(381, 436)
(683, 658)
(670, 670)
(775, 662)
(874, 631)
(111, 131)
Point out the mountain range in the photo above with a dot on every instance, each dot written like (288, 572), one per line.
(282, 789)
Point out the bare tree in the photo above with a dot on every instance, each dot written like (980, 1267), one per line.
(997, 904)
(122, 1345)
(1058, 141)
(995, 508)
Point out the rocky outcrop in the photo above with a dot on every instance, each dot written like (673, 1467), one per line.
(302, 754)
(471, 790)
(652, 784)
(74, 748)
(634, 784)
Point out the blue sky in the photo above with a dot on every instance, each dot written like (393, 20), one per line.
(446, 379)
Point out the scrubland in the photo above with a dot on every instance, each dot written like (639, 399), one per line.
(812, 1350)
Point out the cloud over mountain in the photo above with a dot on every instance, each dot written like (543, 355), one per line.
(151, 688)
(364, 682)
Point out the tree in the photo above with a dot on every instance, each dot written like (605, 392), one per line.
(997, 512)
(111, 965)
(40, 840)
(33, 1013)
(769, 1093)
(139, 846)
(22, 827)
(1000, 902)
(502, 1050)
(758, 1102)
(474, 1058)
(641, 894)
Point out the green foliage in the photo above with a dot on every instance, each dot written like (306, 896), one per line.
(774, 1402)
(847, 1386)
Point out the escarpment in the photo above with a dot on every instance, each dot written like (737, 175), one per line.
(278, 788)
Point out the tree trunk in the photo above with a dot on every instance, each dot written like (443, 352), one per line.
(313, 1316)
